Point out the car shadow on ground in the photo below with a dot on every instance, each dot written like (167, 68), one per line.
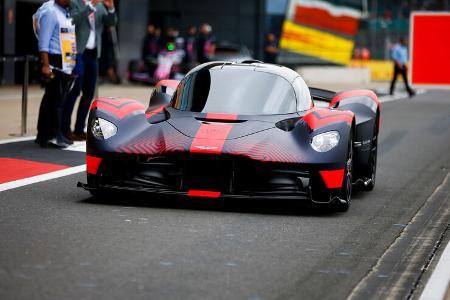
(247, 206)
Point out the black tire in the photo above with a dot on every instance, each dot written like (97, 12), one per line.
(372, 166)
(345, 194)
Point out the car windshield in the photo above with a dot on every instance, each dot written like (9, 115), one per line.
(235, 91)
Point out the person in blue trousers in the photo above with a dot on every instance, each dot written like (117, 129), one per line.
(89, 17)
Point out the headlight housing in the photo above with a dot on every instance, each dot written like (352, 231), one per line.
(103, 129)
(325, 141)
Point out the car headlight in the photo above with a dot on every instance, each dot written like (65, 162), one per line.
(325, 141)
(103, 129)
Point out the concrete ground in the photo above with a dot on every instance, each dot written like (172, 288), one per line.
(11, 99)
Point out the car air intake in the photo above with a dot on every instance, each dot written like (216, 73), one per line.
(219, 120)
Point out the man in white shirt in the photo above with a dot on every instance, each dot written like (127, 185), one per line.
(57, 47)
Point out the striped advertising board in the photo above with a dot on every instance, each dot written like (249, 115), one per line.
(320, 29)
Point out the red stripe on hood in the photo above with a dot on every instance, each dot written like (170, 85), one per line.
(210, 138)
(225, 117)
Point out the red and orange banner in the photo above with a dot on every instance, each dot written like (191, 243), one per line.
(320, 29)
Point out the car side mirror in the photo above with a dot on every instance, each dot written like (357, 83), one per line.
(163, 92)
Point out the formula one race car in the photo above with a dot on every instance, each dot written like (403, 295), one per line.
(236, 130)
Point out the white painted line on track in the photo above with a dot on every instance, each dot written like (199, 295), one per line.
(44, 177)
(18, 139)
(397, 96)
(438, 283)
(389, 98)
(77, 146)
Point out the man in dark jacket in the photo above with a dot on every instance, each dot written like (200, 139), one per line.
(89, 18)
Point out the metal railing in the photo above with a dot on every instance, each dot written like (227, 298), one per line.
(26, 79)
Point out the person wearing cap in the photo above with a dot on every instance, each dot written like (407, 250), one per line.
(57, 47)
(89, 17)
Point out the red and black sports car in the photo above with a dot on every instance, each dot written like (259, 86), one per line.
(236, 130)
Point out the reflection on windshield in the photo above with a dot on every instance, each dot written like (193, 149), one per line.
(234, 91)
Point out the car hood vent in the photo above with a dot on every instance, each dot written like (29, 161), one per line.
(218, 120)
(191, 126)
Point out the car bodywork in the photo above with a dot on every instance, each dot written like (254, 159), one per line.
(170, 149)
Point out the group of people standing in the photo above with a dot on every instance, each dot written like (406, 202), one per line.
(69, 41)
(198, 47)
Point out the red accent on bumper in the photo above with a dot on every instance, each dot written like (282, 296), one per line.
(333, 179)
(92, 163)
(203, 194)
